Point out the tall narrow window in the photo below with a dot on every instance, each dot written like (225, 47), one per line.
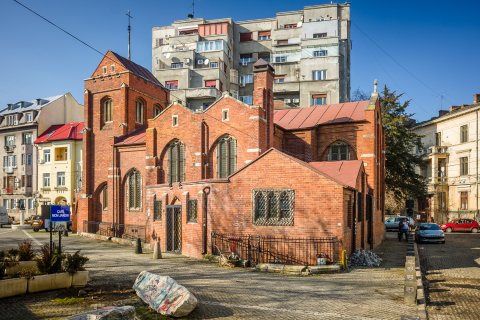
(464, 200)
(192, 210)
(157, 109)
(464, 134)
(134, 190)
(107, 111)
(176, 162)
(157, 209)
(139, 112)
(438, 139)
(105, 197)
(226, 157)
(464, 166)
(338, 151)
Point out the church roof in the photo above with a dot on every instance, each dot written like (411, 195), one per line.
(135, 137)
(309, 117)
(136, 69)
(345, 172)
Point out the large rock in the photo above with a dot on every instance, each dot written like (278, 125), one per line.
(164, 295)
(108, 313)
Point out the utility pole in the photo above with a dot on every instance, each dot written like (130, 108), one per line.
(129, 31)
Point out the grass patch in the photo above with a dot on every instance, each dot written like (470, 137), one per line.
(68, 300)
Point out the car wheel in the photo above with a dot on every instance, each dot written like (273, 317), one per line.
(449, 230)
(474, 230)
(35, 229)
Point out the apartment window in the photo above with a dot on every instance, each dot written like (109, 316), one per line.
(214, 65)
(13, 203)
(438, 139)
(282, 42)
(105, 197)
(338, 151)
(134, 190)
(157, 109)
(225, 115)
(29, 117)
(187, 32)
(60, 179)
(290, 26)
(245, 36)
(140, 112)
(27, 138)
(464, 166)
(29, 159)
(46, 155)
(246, 78)
(158, 42)
(157, 210)
(226, 157)
(279, 79)
(246, 58)
(464, 134)
(319, 74)
(210, 83)
(176, 65)
(192, 210)
(6, 204)
(320, 53)
(273, 207)
(46, 180)
(280, 59)
(464, 200)
(11, 120)
(10, 140)
(107, 111)
(29, 181)
(319, 35)
(246, 99)
(10, 161)
(264, 35)
(205, 46)
(30, 203)
(319, 99)
(176, 162)
(171, 84)
(61, 154)
(174, 121)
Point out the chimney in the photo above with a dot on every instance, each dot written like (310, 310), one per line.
(453, 108)
(442, 112)
(263, 96)
(39, 102)
(476, 98)
(9, 106)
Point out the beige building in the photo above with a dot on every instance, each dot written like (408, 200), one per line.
(60, 163)
(452, 162)
(310, 50)
(20, 125)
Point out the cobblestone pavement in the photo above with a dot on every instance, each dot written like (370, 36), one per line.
(452, 277)
(224, 293)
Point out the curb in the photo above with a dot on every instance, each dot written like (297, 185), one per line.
(146, 246)
(421, 300)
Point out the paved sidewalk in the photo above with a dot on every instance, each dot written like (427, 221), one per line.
(368, 293)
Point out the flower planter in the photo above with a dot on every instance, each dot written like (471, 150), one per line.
(80, 279)
(21, 265)
(13, 287)
(50, 282)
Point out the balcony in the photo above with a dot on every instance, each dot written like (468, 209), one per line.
(201, 93)
(10, 148)
(439, 150)
(9, 169)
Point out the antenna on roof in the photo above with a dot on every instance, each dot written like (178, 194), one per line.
(129, 30)
(192, 15)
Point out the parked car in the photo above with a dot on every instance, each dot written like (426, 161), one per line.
(29, 220)
(391, 223)
(37, 223)
(429, 232)
(461, 224)
(4, 218)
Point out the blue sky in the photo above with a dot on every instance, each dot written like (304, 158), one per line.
(426, 49)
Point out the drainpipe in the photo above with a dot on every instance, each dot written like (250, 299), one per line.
(477, 215)
(206, 192)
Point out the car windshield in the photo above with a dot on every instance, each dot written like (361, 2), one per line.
(429, 227)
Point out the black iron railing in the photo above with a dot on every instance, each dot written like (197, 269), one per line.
(265, 249)
(126, 231)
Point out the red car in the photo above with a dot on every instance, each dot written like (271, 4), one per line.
(461, 224)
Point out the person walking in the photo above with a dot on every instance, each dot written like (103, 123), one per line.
(402, 229)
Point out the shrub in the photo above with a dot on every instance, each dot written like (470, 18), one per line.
(49, 262)
(25, 251)
(75, 262)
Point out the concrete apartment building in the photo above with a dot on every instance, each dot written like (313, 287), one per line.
(198, 59)
(452, 161)
(20, 125)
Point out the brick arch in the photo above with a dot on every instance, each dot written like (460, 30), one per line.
(324, 153)
(163, 159)
(97, 204)
(212, 158)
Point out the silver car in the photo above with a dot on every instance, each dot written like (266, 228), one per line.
(429, 232)
(391, 223)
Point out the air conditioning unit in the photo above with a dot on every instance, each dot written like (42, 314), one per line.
(296, 100)
(200, 61)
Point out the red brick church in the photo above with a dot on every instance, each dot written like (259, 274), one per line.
(156, 168)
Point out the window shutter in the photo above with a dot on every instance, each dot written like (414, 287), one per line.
(181, 163)
(232, 163)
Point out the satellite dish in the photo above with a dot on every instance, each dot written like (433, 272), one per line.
(299, 24)
(167, 55)
(206, 62)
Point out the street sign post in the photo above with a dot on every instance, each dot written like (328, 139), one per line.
(58, 214)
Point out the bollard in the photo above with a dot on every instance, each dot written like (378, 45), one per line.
(138, 247)
(157, 253)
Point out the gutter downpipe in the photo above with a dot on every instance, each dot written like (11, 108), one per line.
(477, 213)
(206, 192)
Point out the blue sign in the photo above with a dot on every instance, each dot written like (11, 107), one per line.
(59, 213)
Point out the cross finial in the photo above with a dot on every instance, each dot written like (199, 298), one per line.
(375, 86)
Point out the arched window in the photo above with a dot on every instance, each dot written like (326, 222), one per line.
(105, 197)
(140, 112)
(339, 151)
(157, 109)
(176, 162)
(134, 190)
(226, 157)
(106, 111)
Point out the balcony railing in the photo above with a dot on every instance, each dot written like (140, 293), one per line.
(437, 150)
(10, 148)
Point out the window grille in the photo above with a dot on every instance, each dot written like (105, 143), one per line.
(134, 193)
(192, 210)
(273, 207)
(157, 210)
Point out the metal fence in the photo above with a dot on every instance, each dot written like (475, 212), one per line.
(270, 249)
(126, 231)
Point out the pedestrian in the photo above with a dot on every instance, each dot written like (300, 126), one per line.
(402, 229)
